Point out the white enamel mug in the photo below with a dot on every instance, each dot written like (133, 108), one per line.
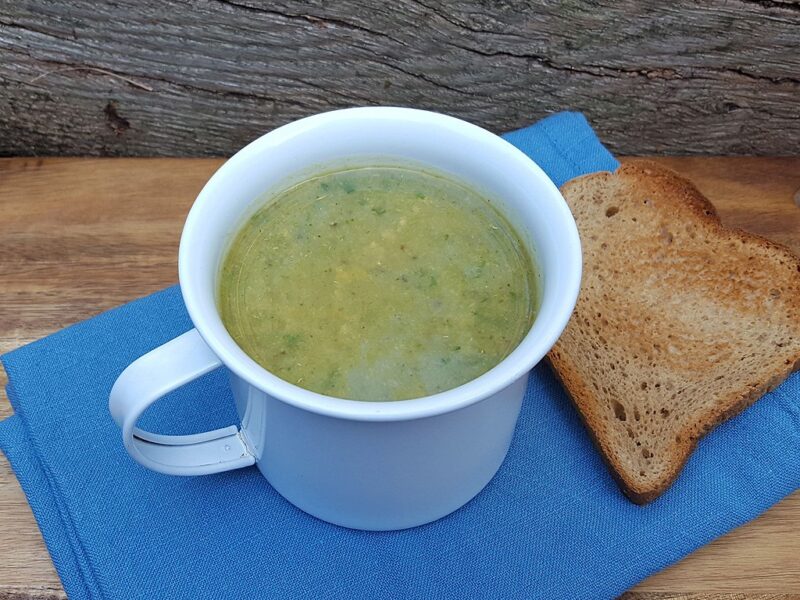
(365, 465)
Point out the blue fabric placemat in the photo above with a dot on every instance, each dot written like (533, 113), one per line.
(551, 524)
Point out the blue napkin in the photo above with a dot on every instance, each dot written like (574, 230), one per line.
(551, 524)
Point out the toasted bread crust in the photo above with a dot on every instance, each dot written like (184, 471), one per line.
(679, 201)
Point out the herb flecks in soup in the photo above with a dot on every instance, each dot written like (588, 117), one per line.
(377, 283)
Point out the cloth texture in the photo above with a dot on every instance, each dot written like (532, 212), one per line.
(551, 524)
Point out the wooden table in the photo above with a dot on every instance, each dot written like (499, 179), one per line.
(78, 236)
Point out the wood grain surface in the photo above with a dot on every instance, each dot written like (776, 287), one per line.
(173, 78)
(78, 236)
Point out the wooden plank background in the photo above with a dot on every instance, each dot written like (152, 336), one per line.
(170, 78)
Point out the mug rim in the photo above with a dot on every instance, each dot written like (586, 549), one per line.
(517, 364)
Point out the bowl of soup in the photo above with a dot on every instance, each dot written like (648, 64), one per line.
(378, 282)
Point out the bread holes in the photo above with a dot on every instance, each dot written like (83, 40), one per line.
(611, 211)
(619, 411)
(644, 385)
(636, 414)
(664, 413)
(646, 453)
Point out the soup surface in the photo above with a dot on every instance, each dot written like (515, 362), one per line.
(377, 284)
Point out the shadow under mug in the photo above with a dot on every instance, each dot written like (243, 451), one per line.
(365, 465)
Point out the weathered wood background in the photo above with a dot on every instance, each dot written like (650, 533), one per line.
(154, 77)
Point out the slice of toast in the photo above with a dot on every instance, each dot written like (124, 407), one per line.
(681, 323)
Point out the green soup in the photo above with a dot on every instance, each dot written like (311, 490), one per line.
(377, 283)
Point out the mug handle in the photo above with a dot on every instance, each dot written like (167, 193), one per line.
(149, 378)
